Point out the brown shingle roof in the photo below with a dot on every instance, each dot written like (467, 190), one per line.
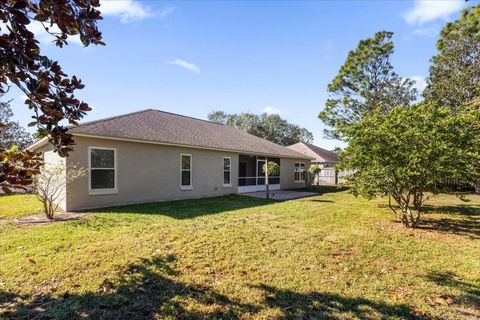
(164, 127)
(320, 154)
(327, 155)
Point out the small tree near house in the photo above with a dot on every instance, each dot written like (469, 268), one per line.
(270, 168)
(315, 171)
(50, 184)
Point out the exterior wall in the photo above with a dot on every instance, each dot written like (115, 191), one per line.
(287, 173)
(149, 173)
(52, 159)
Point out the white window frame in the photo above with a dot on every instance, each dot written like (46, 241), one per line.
(299, 172)
(228, 185)
(113, 190)
(190, 187)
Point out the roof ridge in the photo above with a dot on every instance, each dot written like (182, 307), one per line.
(223, 125)
(189, 117)
(110, 118)
(220, 134)
(140, 111)
(314, 145)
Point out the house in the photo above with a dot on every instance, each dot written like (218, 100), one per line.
(323, 158)
(151, 155)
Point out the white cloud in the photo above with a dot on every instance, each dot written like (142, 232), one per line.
(168, 10)
(45, 38)
(420, 83)
(126, 10)
(429, 10)
(431, 31)
(185, 64)
(272, 110)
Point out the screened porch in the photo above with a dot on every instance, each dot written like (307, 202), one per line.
(250, 175)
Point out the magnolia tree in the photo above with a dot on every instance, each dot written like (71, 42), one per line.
(18, 169)
(412, 150)
(270, 168)
(49, 186)
(49, 90)
(315, 171)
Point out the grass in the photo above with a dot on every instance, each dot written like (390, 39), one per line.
(325, 257)
(18, 205)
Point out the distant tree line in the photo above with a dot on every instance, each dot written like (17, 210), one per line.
(267, 126)
(13, 134)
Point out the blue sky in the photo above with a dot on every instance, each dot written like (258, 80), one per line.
(195, 57)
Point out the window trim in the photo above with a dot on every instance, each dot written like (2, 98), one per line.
(113, 190)
(189, 187)
(299, 172)
(228, 185)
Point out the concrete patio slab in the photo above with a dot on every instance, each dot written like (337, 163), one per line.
(281, 194)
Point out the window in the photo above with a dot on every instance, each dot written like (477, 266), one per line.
(299, 172)
(186, 171)
(102, 170)
(227, 171)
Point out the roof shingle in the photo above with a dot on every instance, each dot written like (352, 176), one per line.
(320, 154)
(163, 127)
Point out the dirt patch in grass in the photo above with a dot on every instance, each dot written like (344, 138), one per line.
(40, 218)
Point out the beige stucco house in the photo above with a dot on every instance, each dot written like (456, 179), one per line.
(150, 155)
(323, 158)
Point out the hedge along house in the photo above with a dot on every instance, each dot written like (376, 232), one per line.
(150, 155)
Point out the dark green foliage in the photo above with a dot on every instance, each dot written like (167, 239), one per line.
(366, 82)
(455, 72)
(267, 126)
(410, 151)
(49, 91)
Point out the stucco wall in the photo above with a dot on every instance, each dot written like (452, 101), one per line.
(52, 161)
(150, 172)
(287, 173)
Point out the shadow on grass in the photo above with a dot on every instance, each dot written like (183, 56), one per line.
(186, 209)
(461, 209)
(462, 219)
(149, 290)
(323, 189)
(318, 305)
(319, 200)
(469, 297)
(144, 290)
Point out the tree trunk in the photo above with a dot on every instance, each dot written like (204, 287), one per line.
(50, 210)
(45, 207)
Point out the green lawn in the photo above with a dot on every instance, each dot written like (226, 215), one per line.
(18, 205)
(331, 256)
